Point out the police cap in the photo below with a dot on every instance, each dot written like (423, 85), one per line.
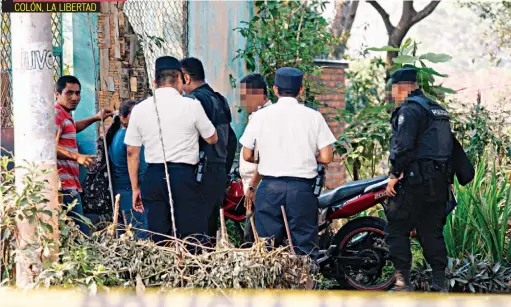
(167, 62)
(288, 78)
(406, 74)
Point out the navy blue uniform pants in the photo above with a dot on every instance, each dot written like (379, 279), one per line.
(190, 210)
(421, 207)
(213, 188)
(301, 207)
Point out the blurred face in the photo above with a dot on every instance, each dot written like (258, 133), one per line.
(70, 97)
(400, 91)
(251, 98)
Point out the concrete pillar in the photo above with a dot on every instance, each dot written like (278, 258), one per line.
(333, 100)
(34, 119)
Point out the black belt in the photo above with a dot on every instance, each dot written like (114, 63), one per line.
(171, 164)
(288, 178)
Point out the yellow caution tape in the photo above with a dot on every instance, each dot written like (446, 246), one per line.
(264, 298)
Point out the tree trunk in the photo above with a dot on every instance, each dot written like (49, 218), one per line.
(409, 17)
(35, 131)
(345, 13)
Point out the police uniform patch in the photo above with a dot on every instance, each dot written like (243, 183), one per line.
(439, 112)
(400, 120)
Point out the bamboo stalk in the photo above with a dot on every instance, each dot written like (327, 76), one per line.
(113, 228)
(252, 223)
(287, 230)
(222, 225)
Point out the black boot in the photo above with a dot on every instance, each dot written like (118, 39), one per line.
(402, 282)
(438, 284)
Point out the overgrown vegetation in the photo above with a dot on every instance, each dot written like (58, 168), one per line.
(286, 33)
(102, 261)
(25, 207)
(478, 231)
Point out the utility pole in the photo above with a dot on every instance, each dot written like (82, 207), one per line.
(34, 127)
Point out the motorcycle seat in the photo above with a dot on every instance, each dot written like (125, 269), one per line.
(346, 191)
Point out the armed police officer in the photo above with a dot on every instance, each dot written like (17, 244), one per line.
(219, 156)
(288, 135)
(182, 121)
(253, 97)
(421, 146)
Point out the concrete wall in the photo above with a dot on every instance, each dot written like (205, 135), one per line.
(84, 70)
(211, 39)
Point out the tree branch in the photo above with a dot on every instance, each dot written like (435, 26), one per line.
(428, 9)
(384, 15)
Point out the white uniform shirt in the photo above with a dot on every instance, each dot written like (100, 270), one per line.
(247, 169)
(288, 135)
(182, 121)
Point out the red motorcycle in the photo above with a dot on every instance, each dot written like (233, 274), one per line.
(356, 255)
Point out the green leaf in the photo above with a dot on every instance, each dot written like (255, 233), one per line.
(407, 43)
(47, 226)
(385, 49)
(444, 90)
(436, 57)
(404, 59)
(432, 72)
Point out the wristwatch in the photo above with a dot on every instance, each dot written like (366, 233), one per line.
(251, 188)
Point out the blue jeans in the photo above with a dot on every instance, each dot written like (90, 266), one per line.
(69, 196)
(136, 219)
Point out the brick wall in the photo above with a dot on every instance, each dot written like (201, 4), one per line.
(122, 71)
(331, 100)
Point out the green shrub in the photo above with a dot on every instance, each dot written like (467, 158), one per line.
(479, 224)
(286, 33)
(469, 274)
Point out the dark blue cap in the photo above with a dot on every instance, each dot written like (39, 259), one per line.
(406, 74)
(166, 62)
(288, 78)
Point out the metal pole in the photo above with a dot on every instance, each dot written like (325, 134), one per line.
(34, 122)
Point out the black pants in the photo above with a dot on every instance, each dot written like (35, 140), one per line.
(301, 207)
(421, 206)
(213, 188)
(190, 210)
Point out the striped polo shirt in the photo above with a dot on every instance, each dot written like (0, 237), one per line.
(69, 170)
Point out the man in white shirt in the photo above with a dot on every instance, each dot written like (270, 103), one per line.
(288, 136)
(182, 121)
(254, 96)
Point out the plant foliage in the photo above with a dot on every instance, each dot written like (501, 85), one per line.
(480, 223)
(286, 33)
(426, 76)
(23, 206)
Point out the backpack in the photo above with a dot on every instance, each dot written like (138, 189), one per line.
(96, 198)
(232, 140)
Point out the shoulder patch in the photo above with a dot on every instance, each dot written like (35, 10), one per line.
(400, 119)
(439, 112)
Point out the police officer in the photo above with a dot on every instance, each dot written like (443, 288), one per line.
(253, 97)
(288, 135)
(182, 121)
(219, 156)
(421, 145)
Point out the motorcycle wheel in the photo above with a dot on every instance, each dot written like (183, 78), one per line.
(363, 238)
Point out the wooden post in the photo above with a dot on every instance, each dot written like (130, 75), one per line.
(34, 119)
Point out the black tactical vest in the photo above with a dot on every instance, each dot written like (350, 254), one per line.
(217, 153)
(436, 141)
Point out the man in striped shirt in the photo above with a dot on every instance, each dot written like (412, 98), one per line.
(67, 91)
